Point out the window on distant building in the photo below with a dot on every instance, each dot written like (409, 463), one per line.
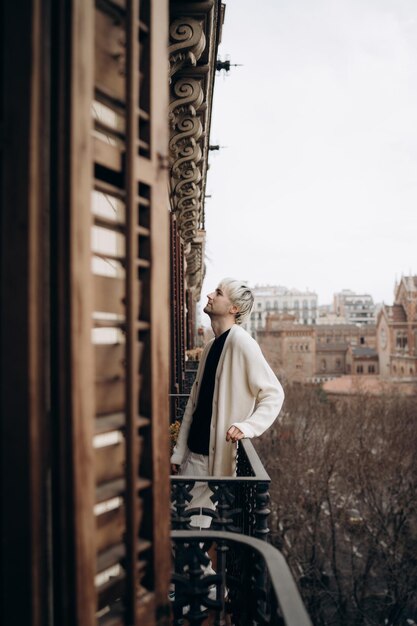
(268, 306)
(362, 340)
(371, 369)
(259, 305)
(359, 369)
(305, 304)
(296, 304)
(252, 316)
(338, 364)
(401, 341)
(323, 365)
(259, 316)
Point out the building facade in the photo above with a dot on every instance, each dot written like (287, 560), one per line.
(354, 308)
(397, 333)
(302, 305)
(313, 353)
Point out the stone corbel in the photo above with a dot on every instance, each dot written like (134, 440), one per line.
(187, 43)
(186, 155)
(187, 97)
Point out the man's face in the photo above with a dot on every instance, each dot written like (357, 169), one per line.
(219, 304)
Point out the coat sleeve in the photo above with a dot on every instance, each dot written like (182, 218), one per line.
(267, 390)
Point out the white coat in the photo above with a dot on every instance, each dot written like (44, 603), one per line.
(247, 394)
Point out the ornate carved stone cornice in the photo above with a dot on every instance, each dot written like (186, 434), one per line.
(194, 38)
(186, 154)
(187, 42)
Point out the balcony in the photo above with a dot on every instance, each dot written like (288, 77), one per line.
(241, 501)
(252, 583)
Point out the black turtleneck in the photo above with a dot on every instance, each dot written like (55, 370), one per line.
(199, 435)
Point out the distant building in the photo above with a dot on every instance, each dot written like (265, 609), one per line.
(289, 347)
(361, 361)
(397, 333)
(314, 353)
(302, 305)
(354, 308)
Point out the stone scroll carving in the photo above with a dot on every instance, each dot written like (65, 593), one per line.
(187, 43)
(186, 154)
(191, 67)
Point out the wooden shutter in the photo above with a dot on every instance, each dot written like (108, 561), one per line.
(131, 311)
(85, 313)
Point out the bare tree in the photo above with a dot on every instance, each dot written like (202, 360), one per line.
(344, 512)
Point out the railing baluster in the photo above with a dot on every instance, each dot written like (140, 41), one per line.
(262, 511)
(263, 592)
(241, 501)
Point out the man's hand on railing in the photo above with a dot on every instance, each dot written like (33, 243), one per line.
(234, 434)
(174, 468)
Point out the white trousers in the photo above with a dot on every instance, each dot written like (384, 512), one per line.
(197, 465)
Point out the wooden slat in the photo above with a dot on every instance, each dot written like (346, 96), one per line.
(112, 591)
(111, 527)
(109, 294)
(144, 232)
(110, 490)
(142, 325)
(144, 263)
(143, 483)
(110, 557)
(112, 190)
(146, 170)
(111, 224)
(109, 423)
(110, 396)
(109, 74)
(109, 462)
(109, 360)
(107, 155)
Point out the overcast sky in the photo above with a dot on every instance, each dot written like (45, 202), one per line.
(317, 184)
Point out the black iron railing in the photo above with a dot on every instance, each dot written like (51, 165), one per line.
(178, 402)
(241, 501)
(258, 590)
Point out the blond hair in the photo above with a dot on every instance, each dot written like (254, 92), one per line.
(240, 295)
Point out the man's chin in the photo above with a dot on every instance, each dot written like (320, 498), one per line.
(207, 309)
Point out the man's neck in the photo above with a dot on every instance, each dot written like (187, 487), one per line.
(220, 326)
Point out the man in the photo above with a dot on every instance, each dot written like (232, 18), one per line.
(235, 395)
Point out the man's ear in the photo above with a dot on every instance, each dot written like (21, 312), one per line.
(233, 309)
